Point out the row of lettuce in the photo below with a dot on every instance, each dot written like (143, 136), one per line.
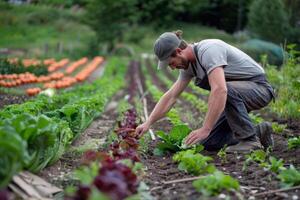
(35, 134)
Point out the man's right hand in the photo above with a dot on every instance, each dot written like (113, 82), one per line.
(141, 129)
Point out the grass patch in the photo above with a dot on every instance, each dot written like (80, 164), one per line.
(37, 28)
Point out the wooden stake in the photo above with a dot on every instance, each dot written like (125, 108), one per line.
(139, 84)
(182, 180)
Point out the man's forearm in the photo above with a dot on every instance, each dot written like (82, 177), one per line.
(216, 105)
(161, 108)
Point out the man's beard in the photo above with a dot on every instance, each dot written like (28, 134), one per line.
(185, 64)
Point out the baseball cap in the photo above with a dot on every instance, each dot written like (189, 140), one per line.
(164, 46)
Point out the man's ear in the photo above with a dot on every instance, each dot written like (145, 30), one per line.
(178, 50)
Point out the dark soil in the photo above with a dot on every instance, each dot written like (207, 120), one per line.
(8, 99)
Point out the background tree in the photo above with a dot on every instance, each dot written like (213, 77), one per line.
(268, 20)
(293, 7)
(111, 19)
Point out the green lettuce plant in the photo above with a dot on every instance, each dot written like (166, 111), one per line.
(215, 183)
(289, 177)
(294, 142)
(171, 141)
(193, 163)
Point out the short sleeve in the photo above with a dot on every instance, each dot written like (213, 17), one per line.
(184, 75)
(214, 56)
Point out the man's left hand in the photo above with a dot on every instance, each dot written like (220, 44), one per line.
(196, 135)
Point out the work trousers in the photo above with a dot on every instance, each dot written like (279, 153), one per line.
(234, 124)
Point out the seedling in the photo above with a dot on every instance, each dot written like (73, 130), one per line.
(256, 118)
(215, 183)
(193, 163)
(294, 142)
(257, 156)
(222, 154)
(289, 177)
(275, 165)
(278, 128)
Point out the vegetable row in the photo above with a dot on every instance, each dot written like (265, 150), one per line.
(43, 127)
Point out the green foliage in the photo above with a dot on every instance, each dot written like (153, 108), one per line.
(110, 18)
(289, 177)
(269, 20)
(86, 174)
(287, 85)
(256, 119)
(13, 153)
(222, 154)
(275, 165)
(261, 157)
(193, 163)
(294, 142)
(215, 183)
(257, 156)
(172, 141)
(40, 30)
(37, 142)
(59, 3)
(278, 128)
(44, 126)
(173, 114)
(8, 68)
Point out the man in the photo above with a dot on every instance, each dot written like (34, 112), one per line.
(237, 85)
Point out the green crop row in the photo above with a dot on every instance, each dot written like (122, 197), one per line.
(197, 102)
(173, 114)
(43, 127)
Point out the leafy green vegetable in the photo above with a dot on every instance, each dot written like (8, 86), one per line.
(215, 183)
(86, 174)
(42, 127)
(172, 141)
(193, 163)
(278, 128)
(258, 156)
(289, 177)
(294, 142)
(13, 153)
(275, 165)
(222, 154)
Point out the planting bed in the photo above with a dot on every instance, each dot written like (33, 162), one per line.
(8, 99)
(254, 180)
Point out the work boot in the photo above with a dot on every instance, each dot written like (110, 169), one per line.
(244, 146)
(264, 133)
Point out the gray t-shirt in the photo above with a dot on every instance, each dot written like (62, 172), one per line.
(213, 53)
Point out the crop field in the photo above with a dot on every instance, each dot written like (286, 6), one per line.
(79, 77)
(76, 130)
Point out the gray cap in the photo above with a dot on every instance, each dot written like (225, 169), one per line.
(164, 46)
